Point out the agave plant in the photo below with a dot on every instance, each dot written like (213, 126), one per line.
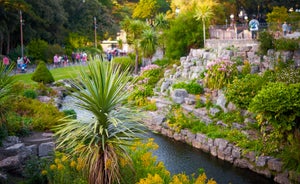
(6, 87)
(101, 142)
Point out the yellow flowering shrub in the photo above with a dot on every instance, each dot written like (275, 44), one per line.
(65, 169)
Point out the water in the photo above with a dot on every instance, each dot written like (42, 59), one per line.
(179, 157)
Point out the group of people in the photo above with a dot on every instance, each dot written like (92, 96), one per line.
(76, 57)
(254, 25)
(22, 63)
(286, 28)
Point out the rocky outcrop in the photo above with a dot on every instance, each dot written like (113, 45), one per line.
(15, 152)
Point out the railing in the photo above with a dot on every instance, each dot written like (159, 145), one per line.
(241, 31)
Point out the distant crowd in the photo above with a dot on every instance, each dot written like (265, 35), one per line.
(76, 57)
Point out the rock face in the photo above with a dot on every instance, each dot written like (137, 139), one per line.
(15, 152)
(191, 67)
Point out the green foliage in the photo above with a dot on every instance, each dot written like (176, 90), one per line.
(183, 35)
(29, 93)
(266, 42)
(33, 171)
(65, 168)
(150, 75)
(140, 94)
(70, 113)
(51, 51)
(125, 62)
(278, 14)
(220, 73)
(42, 74)
(43, 115)
(241, 91)
(162, 62)
(37, 49)
(285, 44)
(277, 104)
(192, 87)
(288, 75)
(290, 155)
(18, 125)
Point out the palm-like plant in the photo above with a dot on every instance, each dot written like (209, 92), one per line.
(204, 12)
(149, 43)
(6, 87)
(101, 142)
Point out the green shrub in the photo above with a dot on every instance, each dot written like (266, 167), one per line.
(71, 113)
(37, 49)
(33, 171)
(43, 115)
(277, 104)
(192, 87)
(125, 62)
(288, 75)
(140, 94)
(150, 75)
(285, 44)
(220, 73)
(241, 91)
(29, 93)
(42, 74)
(51, 51)
(266, 42)
(18, 125)
(162, 62)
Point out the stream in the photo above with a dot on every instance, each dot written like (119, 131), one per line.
(179, 157)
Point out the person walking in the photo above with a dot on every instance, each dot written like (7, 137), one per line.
(6, 63)
(284, 28)
(254, 24)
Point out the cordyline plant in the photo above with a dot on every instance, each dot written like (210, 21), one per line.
(101, 142)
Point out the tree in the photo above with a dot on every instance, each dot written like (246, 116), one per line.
(42, 74)
(149, 43)
(204, 12)
(145, 9)
(278, 15)
(183, 35)
(101, 141)
(160, 24)
(134, 30)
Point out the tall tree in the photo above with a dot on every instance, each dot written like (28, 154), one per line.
(101, 142)
(204, 12)
(134, 30)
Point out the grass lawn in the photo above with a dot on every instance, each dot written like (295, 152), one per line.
(58, 74)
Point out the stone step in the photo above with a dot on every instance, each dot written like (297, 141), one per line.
(38, 141)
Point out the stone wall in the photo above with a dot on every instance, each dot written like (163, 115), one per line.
(268, 166)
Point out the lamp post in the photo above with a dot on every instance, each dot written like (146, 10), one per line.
(21, 32)
(95, 31)
(232, 20)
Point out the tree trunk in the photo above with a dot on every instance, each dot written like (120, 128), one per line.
(136, 61)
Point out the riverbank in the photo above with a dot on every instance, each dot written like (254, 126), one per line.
(222, 149)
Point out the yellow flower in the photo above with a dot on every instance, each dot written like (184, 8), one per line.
(201, 179)
(108, 164)
(44, 172)
(73, 164)
(211, 181)
(123, 162)
(60, 166)
(64, 158)
(57, 161)
(52, 166)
